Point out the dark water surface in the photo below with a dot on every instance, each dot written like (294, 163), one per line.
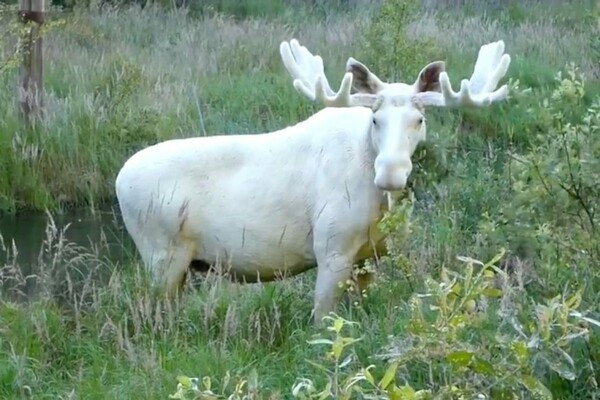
(79, 239)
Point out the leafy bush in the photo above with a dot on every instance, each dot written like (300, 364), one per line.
(13, 36)
(387, 47)
(554, 186)
(445, 337)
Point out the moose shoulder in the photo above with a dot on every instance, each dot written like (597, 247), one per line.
(310, 195)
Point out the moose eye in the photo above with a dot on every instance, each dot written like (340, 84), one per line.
(421, 120)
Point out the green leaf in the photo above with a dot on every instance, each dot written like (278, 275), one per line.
(457, 321)
(402, 393)
(460, 358)
(389, 375)
(337, 347)
(492, 292)
(346, 361)
(469, 260)
(489, 274)
(338, 325)
(534, 385)
(350, 340)
(520, 351)
(561, 362)
(574, 301)
(496, 258)
(185, 381)
(591, 321)
(368, 375)
(481, 366)
(456, 288)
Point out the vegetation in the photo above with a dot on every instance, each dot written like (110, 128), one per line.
(490, 289)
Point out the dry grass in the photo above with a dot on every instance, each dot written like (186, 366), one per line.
(545, 40)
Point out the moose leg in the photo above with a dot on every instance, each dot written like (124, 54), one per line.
(175, 270)
(332, 273)
(336, 242)
(168, 267)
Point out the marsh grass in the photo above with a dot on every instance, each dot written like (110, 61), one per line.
(97, 329)
(118, 79)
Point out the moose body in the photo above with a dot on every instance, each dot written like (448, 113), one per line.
(276, 204)
(265, 206)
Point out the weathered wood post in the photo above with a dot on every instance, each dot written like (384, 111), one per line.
(31, 79)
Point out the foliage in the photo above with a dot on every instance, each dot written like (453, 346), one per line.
(446, 335)
(389, 50)
(10, 28)
(245, 9)
(14, 36)
(554, 186)
(397, 227)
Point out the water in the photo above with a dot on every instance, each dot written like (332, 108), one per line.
(54, 242)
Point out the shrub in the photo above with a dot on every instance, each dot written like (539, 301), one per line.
(447, 337)
(554, 186)
(387, 47)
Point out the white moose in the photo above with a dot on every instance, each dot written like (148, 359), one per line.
(309, 195)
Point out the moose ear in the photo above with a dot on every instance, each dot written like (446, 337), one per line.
(363, 80)
(429, 77)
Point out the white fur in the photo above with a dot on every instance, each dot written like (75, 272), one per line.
(279, 203)
(266, 205)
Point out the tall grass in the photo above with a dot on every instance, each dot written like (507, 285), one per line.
(82, 327)
(518, 176)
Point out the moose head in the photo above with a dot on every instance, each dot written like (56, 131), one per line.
(398, 109)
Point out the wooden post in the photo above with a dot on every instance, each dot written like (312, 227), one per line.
(31, 80)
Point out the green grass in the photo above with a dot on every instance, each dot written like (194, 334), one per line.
(121, 79)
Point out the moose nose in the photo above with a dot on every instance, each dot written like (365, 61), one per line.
(392, 182)
(392, 173)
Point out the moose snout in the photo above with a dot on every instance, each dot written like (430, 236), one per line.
(390, 175)
(392, 182)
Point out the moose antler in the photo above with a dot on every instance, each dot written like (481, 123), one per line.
(309, 78)
(478, 91)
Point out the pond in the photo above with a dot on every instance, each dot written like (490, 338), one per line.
(34, 243)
